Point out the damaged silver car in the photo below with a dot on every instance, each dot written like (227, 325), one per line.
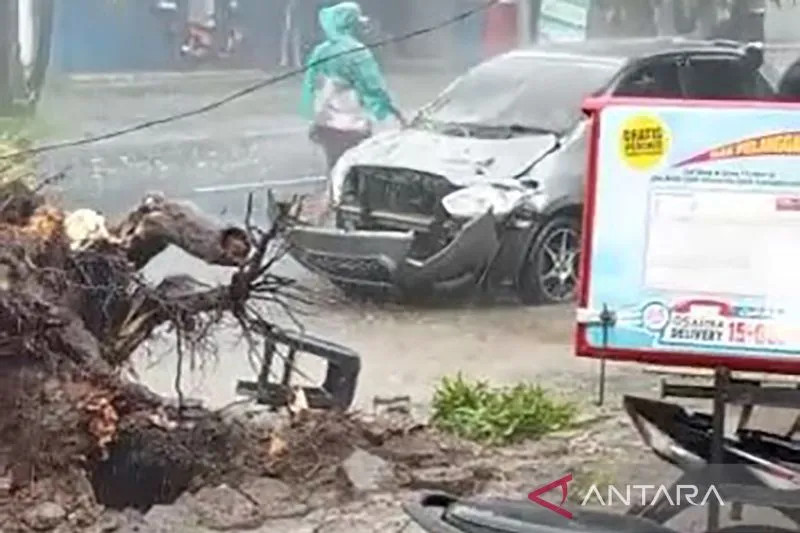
(484, 189)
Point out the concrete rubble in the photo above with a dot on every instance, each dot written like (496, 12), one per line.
(365, 493)
(225, 509)
(45, 516)
(366, 472)
(274, 499)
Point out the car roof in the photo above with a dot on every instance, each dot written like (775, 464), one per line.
(621, 51)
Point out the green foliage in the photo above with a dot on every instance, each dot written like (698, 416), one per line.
(15, 168)
(490, 415)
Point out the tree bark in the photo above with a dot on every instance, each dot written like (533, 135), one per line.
(45, 11)
(8, 33)
(157, 223)
(71, 317)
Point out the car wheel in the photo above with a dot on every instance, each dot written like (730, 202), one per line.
(549, 274)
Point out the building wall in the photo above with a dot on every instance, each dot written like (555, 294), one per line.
(783, 24)
(107, 35)
(130, 35)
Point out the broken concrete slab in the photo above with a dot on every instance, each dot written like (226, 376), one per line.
(367, 472)
(453, 480)
(225, 509)
(414, 450)
(169, 518)
(289, 525)
(274, 498)
(376, 512)
(107, 522)
(45, 517)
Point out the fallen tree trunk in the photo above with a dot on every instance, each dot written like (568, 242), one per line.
(157, 223)
(74, 308)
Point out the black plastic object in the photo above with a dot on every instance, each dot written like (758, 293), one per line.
(692, 431)
(341, 376)
(442, 513)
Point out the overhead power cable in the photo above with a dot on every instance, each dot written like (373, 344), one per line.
(246, 90)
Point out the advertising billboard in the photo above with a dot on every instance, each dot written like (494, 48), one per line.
(692, 235)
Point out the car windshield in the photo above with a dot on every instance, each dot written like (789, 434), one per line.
(518, 94)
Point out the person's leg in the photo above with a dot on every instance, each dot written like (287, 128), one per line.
(336, 142)
(348, 140)
(334, 148)
(324, 138)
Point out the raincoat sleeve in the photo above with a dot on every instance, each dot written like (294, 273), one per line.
(368, 81)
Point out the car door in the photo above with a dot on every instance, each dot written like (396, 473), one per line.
(655, 78)
(723, 77)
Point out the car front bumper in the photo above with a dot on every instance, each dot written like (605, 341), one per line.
(380, 259)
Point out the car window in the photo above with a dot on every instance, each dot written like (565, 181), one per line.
(763, 88)
(789, 85)
(654, 80)
(721, 79)
(525, 91)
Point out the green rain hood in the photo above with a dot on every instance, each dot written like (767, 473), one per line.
(334, 60)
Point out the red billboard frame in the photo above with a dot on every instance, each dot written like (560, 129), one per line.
(593, 107)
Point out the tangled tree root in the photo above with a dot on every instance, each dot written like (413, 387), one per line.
(73, 309)
(75, 434)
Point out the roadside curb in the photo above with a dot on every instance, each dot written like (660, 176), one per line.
(152, 77)
(143, 78)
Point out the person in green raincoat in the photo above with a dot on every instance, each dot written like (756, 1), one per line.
(344, 91)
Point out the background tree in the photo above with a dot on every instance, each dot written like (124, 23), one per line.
(741, 20)
(21, 85)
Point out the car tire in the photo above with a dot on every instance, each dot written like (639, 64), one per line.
(539, 270)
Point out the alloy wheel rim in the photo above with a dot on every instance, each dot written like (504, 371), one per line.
(557, 271)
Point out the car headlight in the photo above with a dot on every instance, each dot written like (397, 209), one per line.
(476, 200)
(535, 201)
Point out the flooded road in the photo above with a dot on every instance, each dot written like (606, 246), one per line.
(260, 139)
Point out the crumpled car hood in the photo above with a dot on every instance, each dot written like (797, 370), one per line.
(463, 161)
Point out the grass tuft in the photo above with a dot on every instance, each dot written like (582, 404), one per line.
(498, 415)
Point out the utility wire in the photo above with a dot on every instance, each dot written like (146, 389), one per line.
(247, 90)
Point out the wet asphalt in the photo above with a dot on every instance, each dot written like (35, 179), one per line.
(261, 138)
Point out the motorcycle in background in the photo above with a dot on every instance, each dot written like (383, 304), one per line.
(208, 29)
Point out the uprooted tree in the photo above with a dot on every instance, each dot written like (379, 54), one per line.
(74, 308)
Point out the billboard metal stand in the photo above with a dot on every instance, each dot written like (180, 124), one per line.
(606, 320)
(721, 381)
(745, 393)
